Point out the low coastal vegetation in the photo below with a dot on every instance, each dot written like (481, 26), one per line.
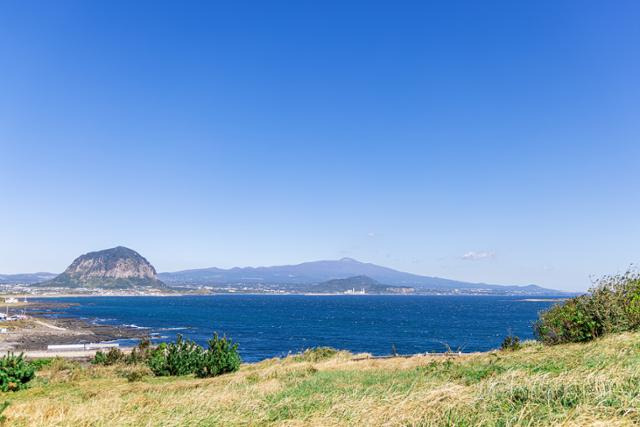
(182, 357)
(611, 306)
(583, 370)
(537, 385)
(15, 372)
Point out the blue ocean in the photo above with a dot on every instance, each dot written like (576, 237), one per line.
(266, 326)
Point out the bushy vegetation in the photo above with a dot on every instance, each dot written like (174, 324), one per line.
(220, 358)
(39, 364)
(139, 354)
(15, 372)
(511, 343)
(111, 357)
(612, 305)
(585, 384)
(182, 357)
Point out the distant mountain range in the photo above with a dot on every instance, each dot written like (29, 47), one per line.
(321, 271)
(122, 268)
(26, 278)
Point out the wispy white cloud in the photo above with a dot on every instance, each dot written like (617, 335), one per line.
(475, 256)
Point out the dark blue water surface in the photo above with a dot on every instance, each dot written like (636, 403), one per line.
(269, 325)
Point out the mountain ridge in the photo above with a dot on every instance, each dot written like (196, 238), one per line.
(319, 271)
(26, 278)
(289, 277)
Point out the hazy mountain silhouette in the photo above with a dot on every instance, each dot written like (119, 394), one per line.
(322, 271)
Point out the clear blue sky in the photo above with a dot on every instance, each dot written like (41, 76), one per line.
(483, 141)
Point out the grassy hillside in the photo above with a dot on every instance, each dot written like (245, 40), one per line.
(570, 384)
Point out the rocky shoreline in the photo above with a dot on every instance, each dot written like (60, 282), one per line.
(37, 330)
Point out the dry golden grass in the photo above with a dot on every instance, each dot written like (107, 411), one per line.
(571, 385)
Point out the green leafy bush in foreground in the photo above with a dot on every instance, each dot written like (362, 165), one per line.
(15, 372)
(139, 354)
(221, 357)
(111, 357)
(612, 305)
(182, 357)
(39, 364)
(511, 343)
(186, 357)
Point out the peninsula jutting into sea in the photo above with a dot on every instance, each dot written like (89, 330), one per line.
(123, 271)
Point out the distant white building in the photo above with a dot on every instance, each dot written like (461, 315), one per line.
(11, 300)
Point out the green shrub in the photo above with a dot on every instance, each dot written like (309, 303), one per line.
(612, 305)
(221, 357)
(115, 355)
(511, 343)
(38, 364)
(158, 360)
(141, 353)
(99, 358)
(572, 321)
(180, 358)
(111, 357)
(15, 372)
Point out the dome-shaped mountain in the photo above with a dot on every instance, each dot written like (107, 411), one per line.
(117, 268)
